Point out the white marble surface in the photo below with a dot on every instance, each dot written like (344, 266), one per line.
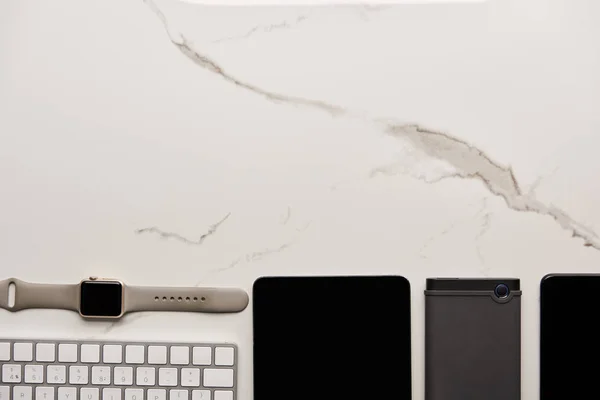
(128, 130)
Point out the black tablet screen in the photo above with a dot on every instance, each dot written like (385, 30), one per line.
(327, 338)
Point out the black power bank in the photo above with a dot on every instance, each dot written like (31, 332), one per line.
(472, 339)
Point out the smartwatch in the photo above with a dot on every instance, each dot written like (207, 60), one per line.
(100, 298)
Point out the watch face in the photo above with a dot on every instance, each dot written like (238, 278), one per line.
(101, 299)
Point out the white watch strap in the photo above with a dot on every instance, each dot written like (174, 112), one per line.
(192, 299)
(136, 298)
(39, 295)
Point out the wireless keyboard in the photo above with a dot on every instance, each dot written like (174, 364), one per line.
(78, 370)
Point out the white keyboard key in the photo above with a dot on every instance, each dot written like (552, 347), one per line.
(45, 352)
(4, 393)
(123, 376)
(222, 378)
(200, 394)
(224, 356)
(223, 395)
(67, 352)
(89, 394)
(112, 354)
(23, 352)
(100, 375)
(44, 393)
(202, 356)
(67, 393)
(134, 394)
(190, 377)
(145, 376)
(157, 394)
(78, 375)
(22, 393)
(176, 368)
(111, 394)
(11, 373)
(4, 354)
(180, 355)
(157, 354)
(34, 374)
(56, 374)
(134, 354)
(167, 376)
(90, 353)
(175, 394)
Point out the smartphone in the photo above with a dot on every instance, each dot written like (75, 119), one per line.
(331, 338)
(472, 339)
(570, 337)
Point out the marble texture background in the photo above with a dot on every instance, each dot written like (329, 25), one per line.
(171, 143)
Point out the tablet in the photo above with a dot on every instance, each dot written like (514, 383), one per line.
(329, 338)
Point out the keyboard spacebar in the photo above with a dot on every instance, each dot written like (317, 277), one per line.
(218, 378)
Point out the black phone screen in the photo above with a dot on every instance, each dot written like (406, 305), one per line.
(570, 337)
(329, 338)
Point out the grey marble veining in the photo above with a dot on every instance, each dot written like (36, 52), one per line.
(467, 161)
(172, 235)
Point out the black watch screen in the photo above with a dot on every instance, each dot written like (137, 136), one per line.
(101, 299)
